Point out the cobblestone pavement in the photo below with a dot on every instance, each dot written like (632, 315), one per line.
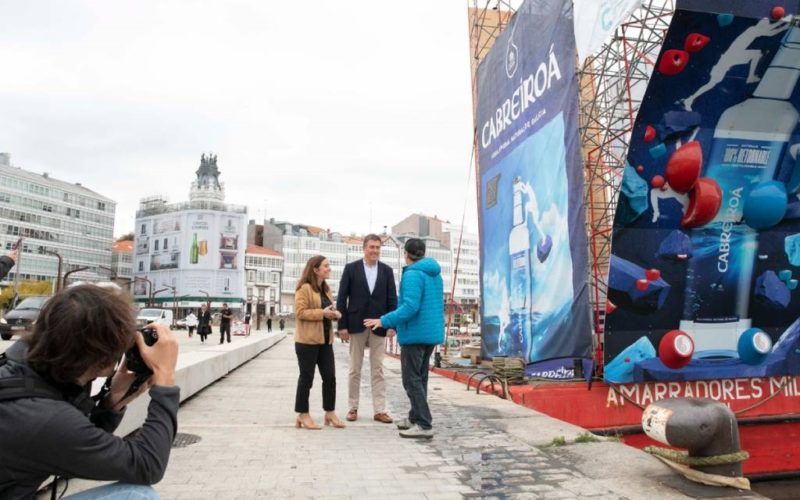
(250, 448)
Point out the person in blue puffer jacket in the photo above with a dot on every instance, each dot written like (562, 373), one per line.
(419, 321)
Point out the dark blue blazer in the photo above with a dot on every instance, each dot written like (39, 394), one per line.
(356, 303)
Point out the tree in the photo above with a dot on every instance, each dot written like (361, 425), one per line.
(126, 237)
(26, 289)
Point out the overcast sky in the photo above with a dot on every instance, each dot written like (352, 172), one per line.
(320, 112)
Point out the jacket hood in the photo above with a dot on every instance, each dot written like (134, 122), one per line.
(427, 265)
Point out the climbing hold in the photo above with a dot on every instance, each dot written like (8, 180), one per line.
(658, 151)
(652, 274)
(657, 181)
(673, 61)
(695, 42)
(676, 246)
(610, 307)
(683, 167)
(704, 202)
(791, 284)
(777, 13)
(771, 291)
(649, 133)
(724, 19)
(753, 346)
(642, 284)
(765, 205)
(785, 275)
(675, 349)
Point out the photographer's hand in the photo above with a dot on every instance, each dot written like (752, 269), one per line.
(119, 386)
(161, 357)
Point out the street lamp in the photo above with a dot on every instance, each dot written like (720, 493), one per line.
(208, 298)
(60, 263)
(76, 270)
(111, 271)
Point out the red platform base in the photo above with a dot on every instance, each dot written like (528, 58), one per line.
(768, 410)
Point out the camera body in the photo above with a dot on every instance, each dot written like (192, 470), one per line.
(133, 357)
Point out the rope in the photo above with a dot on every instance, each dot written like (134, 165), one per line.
(683, 457)
(509, 369)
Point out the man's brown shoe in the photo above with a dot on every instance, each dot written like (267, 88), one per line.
(383, 417)
(352, 415)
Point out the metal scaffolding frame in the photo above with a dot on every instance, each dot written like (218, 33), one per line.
(612, 84)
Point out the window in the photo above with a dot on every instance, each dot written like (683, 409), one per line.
(155, 245)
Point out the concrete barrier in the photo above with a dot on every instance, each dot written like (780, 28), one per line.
(201, 368)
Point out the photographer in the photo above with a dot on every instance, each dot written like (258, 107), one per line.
(80, 335)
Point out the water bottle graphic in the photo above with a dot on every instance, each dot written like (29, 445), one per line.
(519, 251)
(749, 143)
(194, 250)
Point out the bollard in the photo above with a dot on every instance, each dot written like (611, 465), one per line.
(706, 428)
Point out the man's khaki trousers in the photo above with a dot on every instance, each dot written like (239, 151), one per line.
(377, 349)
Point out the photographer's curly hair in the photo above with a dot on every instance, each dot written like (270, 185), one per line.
(83, 327)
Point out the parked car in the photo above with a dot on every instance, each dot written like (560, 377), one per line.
(181, 324)
(21, 318)
(154, 315)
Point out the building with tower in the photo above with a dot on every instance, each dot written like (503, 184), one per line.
(191, 252)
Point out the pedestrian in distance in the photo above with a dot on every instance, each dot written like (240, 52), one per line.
(281, 323)
(52, 426)
(313, 305)
(269, 323)
(204, 323)
(366, 290)
(419, 320)
(191, 323)
(247, 317)
(226, 316)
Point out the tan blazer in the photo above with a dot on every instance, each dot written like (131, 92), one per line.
(308, 310)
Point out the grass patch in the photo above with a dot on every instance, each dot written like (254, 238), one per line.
(586, 437)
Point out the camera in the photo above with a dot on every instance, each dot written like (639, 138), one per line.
(133, 357)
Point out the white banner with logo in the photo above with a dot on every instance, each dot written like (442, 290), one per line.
(596, 20)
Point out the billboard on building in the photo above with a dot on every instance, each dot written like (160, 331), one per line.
(195, 251)
(533, 240)
(705, 255)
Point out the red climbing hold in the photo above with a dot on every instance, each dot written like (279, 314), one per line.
(610, 307)
(684, 166)
(777, 13)
(657, 181)
(649, 133)
(673, 61)
(640, 169)
(695, 42)
(704, 202)
(675, 349)
(652, 274)
(642, 284)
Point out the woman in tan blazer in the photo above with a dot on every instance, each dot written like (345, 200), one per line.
(314, 309)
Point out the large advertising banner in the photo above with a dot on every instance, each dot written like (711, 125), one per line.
(706, 244)
(196, 251)
(533, 239)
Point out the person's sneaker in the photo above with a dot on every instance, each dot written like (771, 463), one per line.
(417, 432)
(404, 424)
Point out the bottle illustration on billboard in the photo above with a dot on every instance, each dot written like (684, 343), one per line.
(514, 343)
(749, 143)
(194, 250)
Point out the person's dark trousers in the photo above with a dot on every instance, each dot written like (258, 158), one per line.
(269, 325)
(223, 329)
(414, 363)
(310, 356)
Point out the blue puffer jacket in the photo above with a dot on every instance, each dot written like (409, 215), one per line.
(419, 318)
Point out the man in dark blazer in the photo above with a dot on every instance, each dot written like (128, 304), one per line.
(366, 290)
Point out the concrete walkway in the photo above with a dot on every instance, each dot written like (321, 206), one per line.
(484, 447)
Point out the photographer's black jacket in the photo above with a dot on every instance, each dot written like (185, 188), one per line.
(41, 437)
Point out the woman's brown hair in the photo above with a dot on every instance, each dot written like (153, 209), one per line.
(83, 327)
(309, 277)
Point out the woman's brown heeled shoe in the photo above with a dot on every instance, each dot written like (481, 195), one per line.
(334, 421)
(307, 423)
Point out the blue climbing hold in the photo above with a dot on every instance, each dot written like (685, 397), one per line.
(785, 275)
(753, 346)
(765, 205)
(677, 246)
(771, 290)
(633, 197)
(791, 284)
(724, 19)
(658, 151)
